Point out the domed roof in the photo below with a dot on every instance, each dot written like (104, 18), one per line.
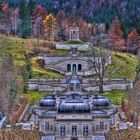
(74, 103)
(49, 113)
(47, 101)
(101, 101)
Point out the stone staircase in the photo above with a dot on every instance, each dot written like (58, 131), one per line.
(55, 68)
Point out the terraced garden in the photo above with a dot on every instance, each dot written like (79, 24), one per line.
(17, 47)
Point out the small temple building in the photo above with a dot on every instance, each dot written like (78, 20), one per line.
(74, 33)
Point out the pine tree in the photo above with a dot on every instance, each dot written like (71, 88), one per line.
(12, 92)
(0, 5)
(31, 6)
(116, 35)
(60, 26)
(50, 26)
(25, 19)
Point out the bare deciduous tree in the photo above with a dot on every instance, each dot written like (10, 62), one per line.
(101, 57)
(10, 84)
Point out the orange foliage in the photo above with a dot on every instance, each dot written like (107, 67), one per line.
(5, 7)
(116, 35)
(133, 39)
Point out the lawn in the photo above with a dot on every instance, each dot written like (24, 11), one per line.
(17, 47)
(128, 63)
(38, 72)
(34, 97)
(116, 96)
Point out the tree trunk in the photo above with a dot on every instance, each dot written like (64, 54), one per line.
(101, 89)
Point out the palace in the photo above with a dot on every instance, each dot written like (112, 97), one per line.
(74, 116)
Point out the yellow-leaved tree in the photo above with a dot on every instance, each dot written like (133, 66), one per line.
(50, 26)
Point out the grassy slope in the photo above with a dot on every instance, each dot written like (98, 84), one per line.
(17, 47)
(128, 63)
(116, 96)
(34, 96)
(39, 72)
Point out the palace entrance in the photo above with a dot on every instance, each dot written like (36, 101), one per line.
(74, 138)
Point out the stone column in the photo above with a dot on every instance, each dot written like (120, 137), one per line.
(79, 129)
(68, 129)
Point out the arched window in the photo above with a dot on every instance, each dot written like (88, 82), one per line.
(101, 125)
(79, 67)
(47, 126)
(69, 67)
(74, 67)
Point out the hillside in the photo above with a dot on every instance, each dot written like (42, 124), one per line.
(17, 47)
(95, 11)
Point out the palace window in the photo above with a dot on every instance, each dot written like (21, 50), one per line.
(74, 130)
(101, 125)
(47, 126)
(62, 130)
(79, 67)
(97, 127)
(51, 127)
(69, 67)
(85, 130)
(74, 67)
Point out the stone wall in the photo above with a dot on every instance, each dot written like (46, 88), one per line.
(81, 47)
(59, 63)
(54, 85)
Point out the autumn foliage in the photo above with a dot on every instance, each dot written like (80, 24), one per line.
(116, 35)
(133, 40)
(20, 134)
(50, 26)
(5, 7)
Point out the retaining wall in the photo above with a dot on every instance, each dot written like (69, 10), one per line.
(61, 85)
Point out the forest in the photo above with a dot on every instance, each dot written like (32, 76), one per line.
(94, 11)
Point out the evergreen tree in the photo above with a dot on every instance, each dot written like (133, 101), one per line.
(25, 29)
(12, 92)
(60, 27)
(31, 6)
(0, 5)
